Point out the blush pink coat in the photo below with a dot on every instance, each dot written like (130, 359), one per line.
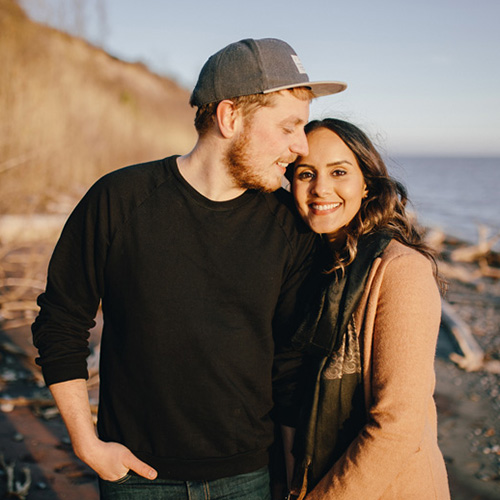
(396, 455)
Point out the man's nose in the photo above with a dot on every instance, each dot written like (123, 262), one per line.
(300, 146)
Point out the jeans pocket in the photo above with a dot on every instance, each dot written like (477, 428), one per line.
(122, 480)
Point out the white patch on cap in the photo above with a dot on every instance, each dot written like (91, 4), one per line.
(298, 63)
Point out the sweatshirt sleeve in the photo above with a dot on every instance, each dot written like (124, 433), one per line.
(74, 290)
(405, 318)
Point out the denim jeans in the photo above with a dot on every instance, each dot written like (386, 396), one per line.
(251, 486)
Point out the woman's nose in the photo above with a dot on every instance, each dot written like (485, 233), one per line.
(322, 186)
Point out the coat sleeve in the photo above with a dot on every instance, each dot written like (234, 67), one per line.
(401, 326)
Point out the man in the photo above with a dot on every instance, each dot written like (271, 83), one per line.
(197, 264)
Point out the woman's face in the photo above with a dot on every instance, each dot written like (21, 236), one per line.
(328, 184)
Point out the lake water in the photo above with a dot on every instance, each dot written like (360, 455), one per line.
(453, 194)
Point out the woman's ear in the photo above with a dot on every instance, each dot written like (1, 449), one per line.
(365, 192)
(228, 118)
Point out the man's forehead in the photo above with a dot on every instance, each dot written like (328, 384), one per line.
(289, 105)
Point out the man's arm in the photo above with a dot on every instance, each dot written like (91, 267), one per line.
(111, 461)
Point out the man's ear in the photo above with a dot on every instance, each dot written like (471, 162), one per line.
(228, 118)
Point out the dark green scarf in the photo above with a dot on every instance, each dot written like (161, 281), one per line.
(333, 412)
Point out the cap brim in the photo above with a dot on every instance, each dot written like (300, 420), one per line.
(319, 89)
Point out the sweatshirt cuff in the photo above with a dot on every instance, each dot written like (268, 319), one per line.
(53, 374)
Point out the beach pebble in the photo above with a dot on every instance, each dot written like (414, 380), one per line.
(9, 375)
(485, 476)
(18, 437)
(7, 407)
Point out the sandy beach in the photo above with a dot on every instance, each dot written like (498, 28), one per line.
(34, 442)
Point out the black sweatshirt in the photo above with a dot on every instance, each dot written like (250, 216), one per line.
(195, 293)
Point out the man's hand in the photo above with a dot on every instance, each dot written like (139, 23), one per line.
(112, 461)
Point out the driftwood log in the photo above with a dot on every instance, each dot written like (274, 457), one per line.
(488, 271)
(459, 272)
(472, 356)
(475, 253)
(15, 489)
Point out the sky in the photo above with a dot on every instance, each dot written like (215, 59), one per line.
(423, 76)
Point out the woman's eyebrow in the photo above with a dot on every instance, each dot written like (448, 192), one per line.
(339, 162)
(331, 164)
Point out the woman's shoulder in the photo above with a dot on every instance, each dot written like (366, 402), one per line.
(403, 262)
(396, 250)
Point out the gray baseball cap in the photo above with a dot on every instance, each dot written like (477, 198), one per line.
(255, 67)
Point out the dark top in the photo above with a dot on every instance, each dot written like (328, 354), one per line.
(195, 293)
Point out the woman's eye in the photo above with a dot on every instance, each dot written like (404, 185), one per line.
(338, 173)
(304, 176)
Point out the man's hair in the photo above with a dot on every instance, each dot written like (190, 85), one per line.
(248, 104)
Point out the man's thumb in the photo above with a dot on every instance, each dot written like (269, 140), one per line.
(141, 468)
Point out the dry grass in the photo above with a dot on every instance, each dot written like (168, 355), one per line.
(70, 112)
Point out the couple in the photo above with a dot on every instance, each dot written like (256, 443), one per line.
(204, 270)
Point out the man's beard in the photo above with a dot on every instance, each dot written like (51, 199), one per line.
(242, 171)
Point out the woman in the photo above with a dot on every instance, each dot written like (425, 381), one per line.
(368, 428)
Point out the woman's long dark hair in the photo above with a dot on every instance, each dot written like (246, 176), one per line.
(384, 207)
